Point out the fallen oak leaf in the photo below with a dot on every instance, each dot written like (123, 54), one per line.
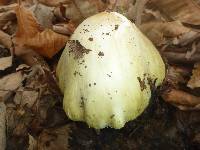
(27, 24)
(30, 34)
(47, 43)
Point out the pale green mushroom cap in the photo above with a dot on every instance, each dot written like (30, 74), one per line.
(106, 70)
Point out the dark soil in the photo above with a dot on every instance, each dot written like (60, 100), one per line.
(161, 126)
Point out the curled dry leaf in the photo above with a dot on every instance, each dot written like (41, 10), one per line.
(29, 34)
(64, 28)
(194, 81)
(186, 11)
(181, 99)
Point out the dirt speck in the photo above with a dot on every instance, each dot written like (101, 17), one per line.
(77, 49)
(112, 116)
(142, 83)
(116, 26)
(101, 53)
(90, 39)
(108, 75)
(77, 73)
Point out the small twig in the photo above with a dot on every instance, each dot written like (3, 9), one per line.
(5, 8)
(2, 126)
(139, 8)
(78, 9)
(181, 57)
(19, 2)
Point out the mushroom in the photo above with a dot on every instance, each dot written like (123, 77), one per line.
(107, 71)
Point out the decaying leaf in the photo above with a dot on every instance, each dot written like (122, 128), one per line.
(10, 83)
(64, 28)
(158, 31)
(181, 99)
(43, 14)
(186, 11)
(29, 34)
(26, 97)
(56, 138)
(194, 81)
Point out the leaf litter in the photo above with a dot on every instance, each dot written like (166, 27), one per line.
(35, 31)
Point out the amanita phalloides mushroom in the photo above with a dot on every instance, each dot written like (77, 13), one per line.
(107, 70)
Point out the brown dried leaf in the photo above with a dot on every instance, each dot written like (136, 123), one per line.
(10, 83)
(27, 25)
(5, 39)
(29, 34)
(5, 62)
(158, 31)
(186, 11)
(47, 43)
(56, 138)
(181, 99)
(43, 14)
(5, 17)
(64, 28)
(194, 81)
(26, 97)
